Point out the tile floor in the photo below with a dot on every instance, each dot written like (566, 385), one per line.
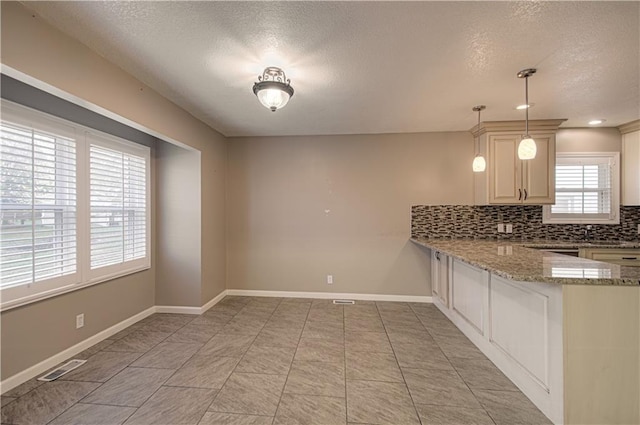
(280, 361)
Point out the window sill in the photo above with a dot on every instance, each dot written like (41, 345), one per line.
(20, 302)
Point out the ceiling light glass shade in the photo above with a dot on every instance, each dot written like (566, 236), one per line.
(479, 164)
(273, 89)
(527, 148)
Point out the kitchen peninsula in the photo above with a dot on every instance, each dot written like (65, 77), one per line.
(565, 330)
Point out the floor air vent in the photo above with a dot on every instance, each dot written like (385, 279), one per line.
(62, 370)
(344, 302)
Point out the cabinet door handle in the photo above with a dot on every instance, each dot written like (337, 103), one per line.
(629, 258)
(526, 195)
(519, 194)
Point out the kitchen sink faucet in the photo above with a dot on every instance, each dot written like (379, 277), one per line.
(587, 232)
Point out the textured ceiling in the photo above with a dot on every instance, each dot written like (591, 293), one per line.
(371, 67)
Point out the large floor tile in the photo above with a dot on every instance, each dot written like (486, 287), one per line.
(325, 330)
(244, 326)
(216, 418)
(372, 366)
(44, 403)
(139, 341)
(101, 366)
(482, 374)
(380, 403)
(444, 415)
(203, 371)
(172, 405)
(320, 350)
(510, 407)
(316, 378)
(6, 400)
(167, 355)
(328, 313)
(94, 414)
(458, 346)
(221, 345)
(267, 360)
(24, 388)
(418, 356)
(439, 387)
(213, 318)
(296, 409)
(283, 337)
(194, 334)
(250, 393)
(376, 342)
(131, 387)
(359, 324)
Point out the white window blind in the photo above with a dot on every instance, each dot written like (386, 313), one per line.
(38, 210)
(118, 206)
(586, 189)
(74, 206)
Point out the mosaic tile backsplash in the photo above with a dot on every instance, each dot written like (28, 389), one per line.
(480, 222)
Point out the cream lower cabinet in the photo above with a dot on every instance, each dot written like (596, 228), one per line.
(440, 278)
(573, 350)
(622, 256)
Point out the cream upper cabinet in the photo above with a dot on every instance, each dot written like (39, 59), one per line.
(630, 163)
(508, 179)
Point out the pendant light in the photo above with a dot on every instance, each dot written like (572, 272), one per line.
(527, 147)
(479, 163)
(273, 89)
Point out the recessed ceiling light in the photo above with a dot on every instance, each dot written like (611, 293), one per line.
(596, 122)
(525, 106)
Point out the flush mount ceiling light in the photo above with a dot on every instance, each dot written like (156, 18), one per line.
(479, 163)
(527, 147)
(596, 122)
(273, 88)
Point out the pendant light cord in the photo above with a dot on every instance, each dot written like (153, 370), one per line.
(526, 110)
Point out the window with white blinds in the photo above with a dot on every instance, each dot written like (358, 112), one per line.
(74, 206)
(118, 205)
(587, 189)
(38, 216)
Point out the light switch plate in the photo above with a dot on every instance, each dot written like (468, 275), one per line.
(509, 228)
(500, 228)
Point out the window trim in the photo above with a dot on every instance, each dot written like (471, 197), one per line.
(614, 215)
(19, 295)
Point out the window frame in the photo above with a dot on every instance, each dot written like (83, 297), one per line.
(614, 215)
(84, 276)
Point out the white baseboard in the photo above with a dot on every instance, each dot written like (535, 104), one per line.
(214, 301)
(45, 365)
(330, 295)
(176, 309)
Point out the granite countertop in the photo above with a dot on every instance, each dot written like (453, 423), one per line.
(519, 261)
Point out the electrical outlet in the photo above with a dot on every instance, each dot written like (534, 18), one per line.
(500, 228)
(79, 320)
(509, 228)
(329, 279)
(639, 229)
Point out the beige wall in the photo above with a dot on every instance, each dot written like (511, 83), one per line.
(301, 208)
(40, 55)
(178, 242)
(588, 140)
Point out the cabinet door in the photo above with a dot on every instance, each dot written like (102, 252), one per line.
(539, 174)
(504, 169)
(440, 278)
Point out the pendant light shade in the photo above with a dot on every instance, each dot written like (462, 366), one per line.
(527, 148)
(273, 89)
(479, 163)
